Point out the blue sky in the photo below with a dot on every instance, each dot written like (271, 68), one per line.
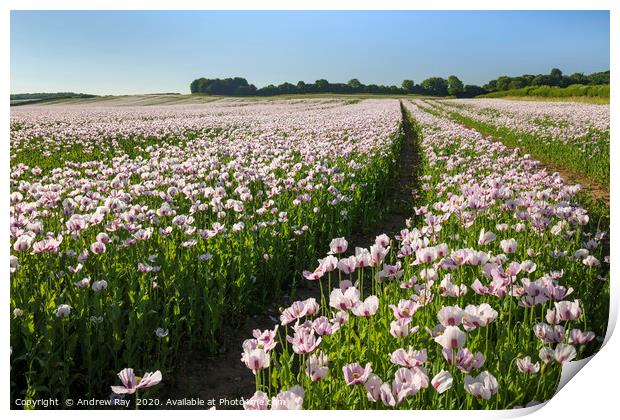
(123, 52)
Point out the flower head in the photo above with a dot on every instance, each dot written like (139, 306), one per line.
(442, 381)
(482, 386)
(131, 383)
(451, 338)
(355, 374)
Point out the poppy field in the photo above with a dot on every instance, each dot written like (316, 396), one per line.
(139, 233)
(572, 135)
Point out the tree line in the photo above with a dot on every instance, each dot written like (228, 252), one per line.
(433, 86)
(554, 78)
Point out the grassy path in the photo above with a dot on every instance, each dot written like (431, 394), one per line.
(595, 196)
(558, 160)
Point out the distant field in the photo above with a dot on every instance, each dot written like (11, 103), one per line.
(164, 99)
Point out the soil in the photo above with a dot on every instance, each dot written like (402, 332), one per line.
(218, 380)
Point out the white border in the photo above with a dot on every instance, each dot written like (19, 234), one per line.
(592, 393)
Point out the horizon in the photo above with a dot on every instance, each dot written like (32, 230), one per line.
(163, 51)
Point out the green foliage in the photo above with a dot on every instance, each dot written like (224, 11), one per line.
(437, 86)
(236, 86)
(555, 78)
(596, 91)
(455, 86)
(408, 86)
(432, 86)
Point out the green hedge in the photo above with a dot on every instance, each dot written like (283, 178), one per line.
(601, 91)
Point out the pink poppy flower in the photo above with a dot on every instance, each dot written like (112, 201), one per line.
(328, 263)
(450, 315)
(354, 374)
(304, 341)
(367, 308)
(323, 327)
(23, 243)
(525, 365)
(552, 317)
(347, 265)
(314, 275)
(428, 275)
(485, 238)
(373, 387)
(509, 246)
(258, 401)
(97, 248)
(546, 354)
(451, 338)
(478, 316)
(103, 238)
(341, 318)
(14, 263)
(131, 383)
(564, 353)
(400, 328)
(576, 336)
(377, 254)
(344, 300)
(568, 311)
(386, 395)
(297, 310)
(482, 386)
(338, 246)
(317, 366)
(49, 245)
(479, 288)
(591, 261)
(363, 258)
(409, 358)
(76, 223)
(465, 360)
(408, 381)
(442, 381)
(255, 359)
(406, 309)
(266, 339)
(448, 289)
(528, 266)
(426, 255)
(382, 240)
(549, 334)
(292, 399)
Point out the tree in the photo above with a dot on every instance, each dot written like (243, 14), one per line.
(491, 86)
(408, 86)
(555, 73)
(455, 86)
(354, 84)
(538, 80)
(321, 85)
(302, 87)
(471, 91)
(516, 83)
(503, 82)
(287, 88)
(601, 78)
(555, 77)
(578, 78)
(436, 86)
